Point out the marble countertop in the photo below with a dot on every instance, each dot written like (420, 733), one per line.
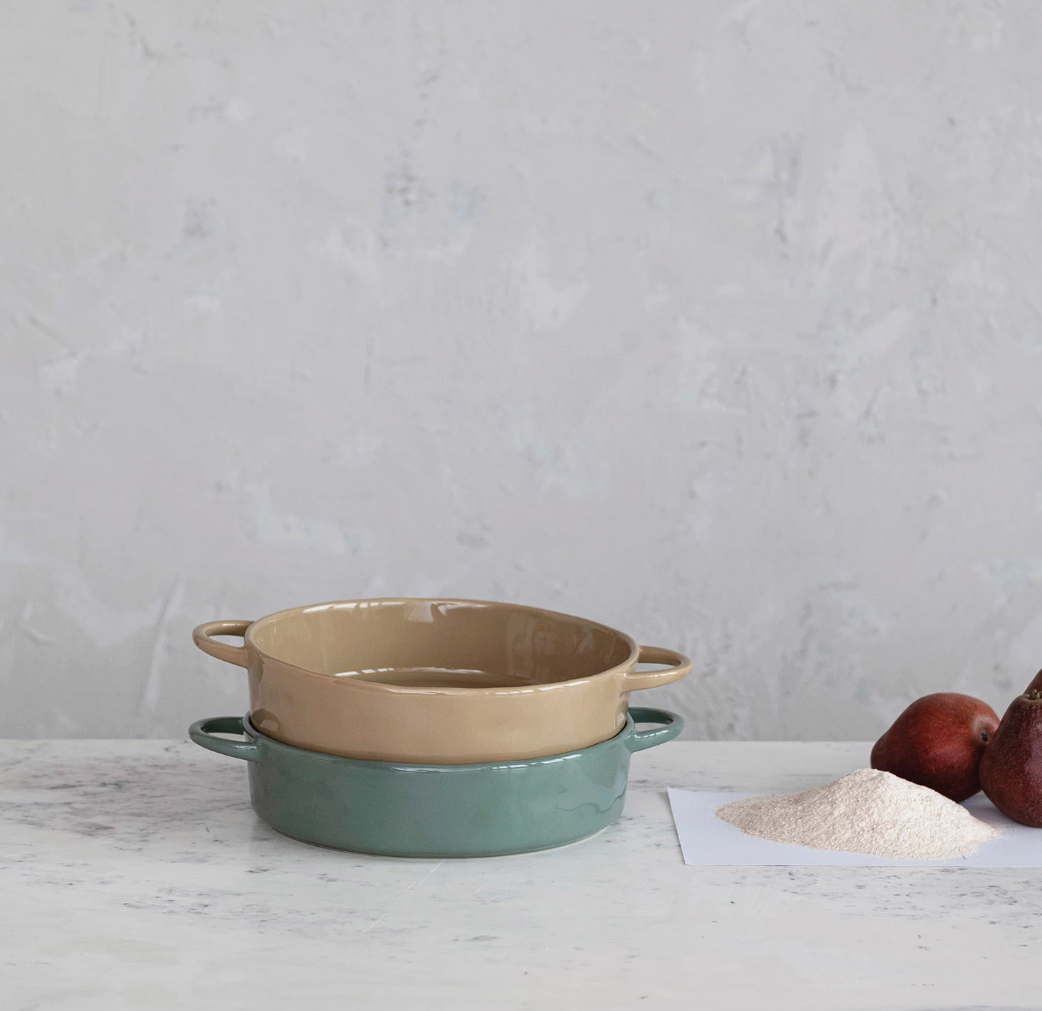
(133, 874)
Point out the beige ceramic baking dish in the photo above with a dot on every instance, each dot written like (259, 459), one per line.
(437, 681)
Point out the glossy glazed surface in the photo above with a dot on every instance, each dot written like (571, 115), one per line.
(437, 811)
(438, 681)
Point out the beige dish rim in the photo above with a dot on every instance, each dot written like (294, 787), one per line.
(619, 670)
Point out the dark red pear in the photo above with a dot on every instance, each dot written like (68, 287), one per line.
(938, 742)
(1011, 769)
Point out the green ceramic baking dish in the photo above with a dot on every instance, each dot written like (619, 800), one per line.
(486, 809)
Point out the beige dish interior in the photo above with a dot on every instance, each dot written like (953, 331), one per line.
(438, 645)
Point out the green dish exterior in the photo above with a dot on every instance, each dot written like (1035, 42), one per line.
(389, 808)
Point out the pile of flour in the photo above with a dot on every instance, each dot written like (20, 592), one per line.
(866, 812)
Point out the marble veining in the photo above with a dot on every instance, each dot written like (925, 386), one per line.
(134, 874)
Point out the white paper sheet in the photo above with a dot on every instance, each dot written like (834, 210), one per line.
(710, 841)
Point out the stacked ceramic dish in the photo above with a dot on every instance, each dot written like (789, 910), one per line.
(421, 727)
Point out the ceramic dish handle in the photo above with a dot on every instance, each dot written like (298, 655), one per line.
(641, 739)
(203, 732)
(679, 667)
(222, 650)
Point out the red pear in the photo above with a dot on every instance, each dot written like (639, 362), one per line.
(1012, 776)
(938, 742)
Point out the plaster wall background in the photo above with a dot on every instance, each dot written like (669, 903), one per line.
(720, 323)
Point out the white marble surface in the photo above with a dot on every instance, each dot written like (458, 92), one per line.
(133, 874)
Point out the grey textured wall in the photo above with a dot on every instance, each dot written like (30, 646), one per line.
(717, 322)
